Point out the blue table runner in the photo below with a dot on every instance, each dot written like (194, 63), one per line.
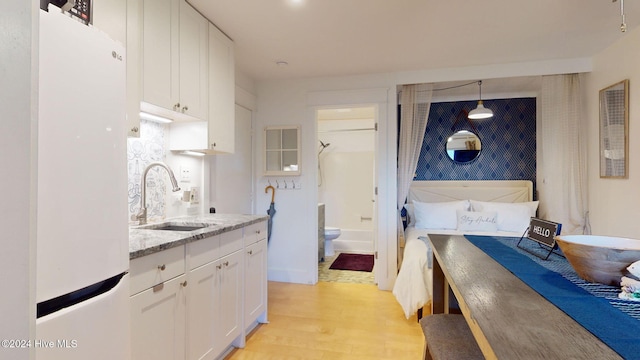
(596, 307)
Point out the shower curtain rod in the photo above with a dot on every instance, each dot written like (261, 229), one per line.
(345, 130)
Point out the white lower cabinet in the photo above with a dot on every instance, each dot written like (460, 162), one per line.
(203, 311)
(158, 321)
(213, 305)
(228, 329)
(255, 284)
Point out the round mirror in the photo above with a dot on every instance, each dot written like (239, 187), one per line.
(463, 146)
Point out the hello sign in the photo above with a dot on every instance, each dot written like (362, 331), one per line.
(543, 232)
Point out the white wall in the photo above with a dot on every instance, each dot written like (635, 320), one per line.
(18, 156)
(293, 247)
(613, 203)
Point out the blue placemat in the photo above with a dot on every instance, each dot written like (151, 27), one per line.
(596, 307)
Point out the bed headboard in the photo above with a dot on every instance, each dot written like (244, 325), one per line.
(480, 190)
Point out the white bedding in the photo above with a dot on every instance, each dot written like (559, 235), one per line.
(413, 286)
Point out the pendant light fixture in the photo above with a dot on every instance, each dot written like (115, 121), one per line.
(480, 112)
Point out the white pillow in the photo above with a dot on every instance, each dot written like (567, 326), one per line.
(514, 217)
(440, 215)
(477, 220)
(411, 216)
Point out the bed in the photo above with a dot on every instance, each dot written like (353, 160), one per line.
(475, 207)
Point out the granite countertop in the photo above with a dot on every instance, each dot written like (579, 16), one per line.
(143, 240)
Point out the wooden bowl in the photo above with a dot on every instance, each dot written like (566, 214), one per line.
(599, 259)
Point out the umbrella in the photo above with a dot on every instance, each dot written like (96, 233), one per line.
(271, 211)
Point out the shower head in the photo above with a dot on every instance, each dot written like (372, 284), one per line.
(322, 147)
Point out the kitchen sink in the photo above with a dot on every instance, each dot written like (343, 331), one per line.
(179, 227)
(171, 226)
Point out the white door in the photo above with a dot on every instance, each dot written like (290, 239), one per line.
(231, 190)
(201, 308)
(229, 325)
(158, 320)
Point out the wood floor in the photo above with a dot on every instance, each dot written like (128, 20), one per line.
(333, 321)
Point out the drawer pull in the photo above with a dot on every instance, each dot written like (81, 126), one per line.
(184, 283)
(162, 267)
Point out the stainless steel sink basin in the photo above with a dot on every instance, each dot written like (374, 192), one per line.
(178, 227)
(172, 226)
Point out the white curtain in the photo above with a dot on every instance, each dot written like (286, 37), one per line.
(563, 149)
(415, 101)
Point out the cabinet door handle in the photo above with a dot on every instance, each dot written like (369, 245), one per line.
(176, 106)
(258, 232)
(161, 267)
(185, 108)
(226, 263)
(184, 283)
(135, 129)
(250, 252)
(213, 146)
(219, 266)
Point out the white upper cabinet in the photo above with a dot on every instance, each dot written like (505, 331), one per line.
(134, 65)
(194, 65)
(160, 52)
(217, 135)
(221, 92)
(174, 60)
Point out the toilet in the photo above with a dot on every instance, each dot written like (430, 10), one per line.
(330, 233)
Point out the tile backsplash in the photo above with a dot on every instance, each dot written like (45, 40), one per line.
(142, 151)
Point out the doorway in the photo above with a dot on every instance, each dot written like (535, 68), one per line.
(346, 177)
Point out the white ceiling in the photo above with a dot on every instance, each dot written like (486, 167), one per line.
(350, 37)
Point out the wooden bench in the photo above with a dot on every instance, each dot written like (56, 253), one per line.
(447, 336)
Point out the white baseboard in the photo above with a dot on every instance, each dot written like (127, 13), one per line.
(353, 246)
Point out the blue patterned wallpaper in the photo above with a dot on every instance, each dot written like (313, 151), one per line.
(508, 142)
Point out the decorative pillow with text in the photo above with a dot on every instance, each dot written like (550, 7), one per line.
(477, 221)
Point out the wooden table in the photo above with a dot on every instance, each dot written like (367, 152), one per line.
(508, 319)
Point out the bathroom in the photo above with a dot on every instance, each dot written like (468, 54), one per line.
(346, 164)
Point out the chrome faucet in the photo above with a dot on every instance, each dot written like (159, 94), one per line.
(142, 214)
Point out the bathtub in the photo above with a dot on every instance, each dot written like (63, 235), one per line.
(354, 241)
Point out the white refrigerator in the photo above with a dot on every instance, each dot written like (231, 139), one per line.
(82, 286)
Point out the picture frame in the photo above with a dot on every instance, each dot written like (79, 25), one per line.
(614, 130)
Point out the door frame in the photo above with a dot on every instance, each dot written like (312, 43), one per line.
(385, 168)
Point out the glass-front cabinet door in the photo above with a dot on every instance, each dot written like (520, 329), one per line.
(282, 150)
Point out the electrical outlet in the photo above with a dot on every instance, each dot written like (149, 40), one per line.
(185, 174)
(195, 195)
